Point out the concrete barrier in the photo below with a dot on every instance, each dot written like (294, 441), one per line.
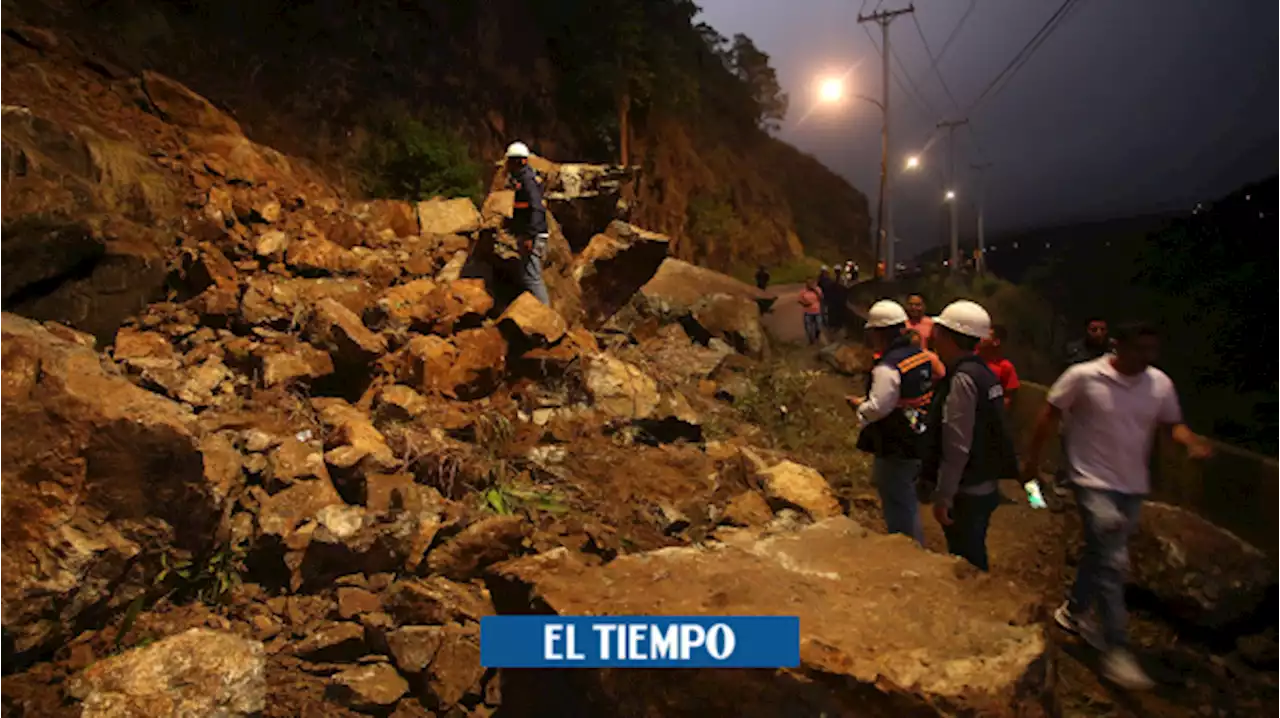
(1235, 489)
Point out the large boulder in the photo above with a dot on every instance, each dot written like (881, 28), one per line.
(176, 103)
(678, 286)
(196, 673)
(1200, 573)
(98, 476)
(733, 318)
(886, 629)
(448, 216)
(619, 389)
(613, 267)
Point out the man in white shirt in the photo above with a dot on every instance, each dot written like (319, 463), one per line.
(1114, 404)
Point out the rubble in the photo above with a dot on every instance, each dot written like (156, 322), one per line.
(944, 642)
(369, 688)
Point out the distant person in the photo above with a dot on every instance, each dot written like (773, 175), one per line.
(969, 448)
(529, 220)
(893, 417)
(855, 271)
(829, 286)
(1113, 406)
(1092, 345)
(917, 320)
(992, 351)
(811, 304)
(762, 277)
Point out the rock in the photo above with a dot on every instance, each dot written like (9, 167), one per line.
(620, 389)
(614, 266)
(196, 673)
(407, 303)
(455, 670)
(177, 104)
(399, 219)
(1260, 649)
(294, 459)
(485, 542)
(354, 601)
(452, 269)
(400, 492)
(401, 402)
(414, 647)
(678, 286)
(747, 509)
(337, 641)
(448, 216)
(143, 349)
(464, 302)
(271, 243)
(734, 319)
(340, 332)
(479, 366)
(536, 323)
(319, 255)
(97, 475)
(297, 361)
(357, 439)
(848, 359)
(281, 513)
(872, 642)
(675, 356)
(368, 688)
(1200, 573)
(436, 600)
(673, 419)
(789, 483)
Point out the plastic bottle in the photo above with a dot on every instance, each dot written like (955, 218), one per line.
(1034, 496)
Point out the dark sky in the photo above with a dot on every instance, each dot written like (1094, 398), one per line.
(1130, 106)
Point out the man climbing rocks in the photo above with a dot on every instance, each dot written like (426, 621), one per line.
(1113, 406)
(529, 220)
(893, 416)
(811, 304)
(917, 320)
(968, 449)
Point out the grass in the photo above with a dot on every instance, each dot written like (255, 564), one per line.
(793, 271)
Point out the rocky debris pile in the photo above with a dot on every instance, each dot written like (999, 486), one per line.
(1199, 572)
(885, 629)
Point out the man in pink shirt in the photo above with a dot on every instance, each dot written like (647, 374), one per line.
(917, 321)
(1113, 406)
(811, 304)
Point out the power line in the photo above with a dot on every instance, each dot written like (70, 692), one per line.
(933, 63)
(956, 30)
(919, 100)
(1002, 78)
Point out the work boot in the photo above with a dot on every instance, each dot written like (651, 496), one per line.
(1083, 627)
(1121, 668)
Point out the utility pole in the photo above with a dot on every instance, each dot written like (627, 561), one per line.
(982, 203)
(884, 213)
(951, 126)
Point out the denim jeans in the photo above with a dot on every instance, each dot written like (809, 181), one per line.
(895, 481)
(813, 327)
(1110, 518)
(531, 269)
(970, 518)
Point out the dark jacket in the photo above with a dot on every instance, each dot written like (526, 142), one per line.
(1080, 351)
(762, 279)
(830, 287)
(529, 214)
(900, 434)
(991, 456)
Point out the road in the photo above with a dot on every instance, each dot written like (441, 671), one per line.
(785, 321)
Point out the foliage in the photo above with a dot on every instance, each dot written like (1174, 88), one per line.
(752, 67)
(793, 271)
(415, 161)
(209, 578)
(712, 219)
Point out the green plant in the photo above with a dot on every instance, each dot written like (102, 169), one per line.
(208, 579)
(505, 499)
(414, 161)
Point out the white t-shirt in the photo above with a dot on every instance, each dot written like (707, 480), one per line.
(1111, 419)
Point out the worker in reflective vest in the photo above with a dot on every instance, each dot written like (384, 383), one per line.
(529, 220)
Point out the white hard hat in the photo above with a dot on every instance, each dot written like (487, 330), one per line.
(825, 268)
(965, 317)
(517, 149)
(886, 313)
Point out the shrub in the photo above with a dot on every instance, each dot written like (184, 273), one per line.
(415, 161)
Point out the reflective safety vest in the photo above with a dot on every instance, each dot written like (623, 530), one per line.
(901, 433)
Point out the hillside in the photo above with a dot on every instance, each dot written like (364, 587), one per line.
(330, 80)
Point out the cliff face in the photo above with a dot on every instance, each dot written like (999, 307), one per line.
(316, 80)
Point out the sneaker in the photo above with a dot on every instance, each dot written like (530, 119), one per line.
(1082, 627)
(1121, 668)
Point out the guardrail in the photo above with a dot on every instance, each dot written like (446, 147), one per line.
(1235, 488)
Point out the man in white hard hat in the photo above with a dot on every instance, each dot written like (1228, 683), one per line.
(893, 416)
(529, 220)
(1113, 406)
(968, 449)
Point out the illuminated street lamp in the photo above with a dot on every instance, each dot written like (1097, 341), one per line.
(831, 90)
(913, 162)
(951, 194)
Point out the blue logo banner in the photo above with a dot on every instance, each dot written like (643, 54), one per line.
(640, 641)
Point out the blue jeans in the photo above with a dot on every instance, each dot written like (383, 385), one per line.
(531, 269)
(1110, 518)
(895, 481)
(970, 518)
(813, 327)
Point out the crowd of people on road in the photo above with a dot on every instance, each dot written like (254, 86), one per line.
(934, 419)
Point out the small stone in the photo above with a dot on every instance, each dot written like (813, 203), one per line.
(371, 687)
(354, 601)
(339, 641)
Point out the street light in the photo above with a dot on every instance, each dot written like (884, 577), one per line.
(951, 194)
(913, 162)
(831, 90)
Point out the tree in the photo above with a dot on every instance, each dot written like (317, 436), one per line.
(752, 67)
